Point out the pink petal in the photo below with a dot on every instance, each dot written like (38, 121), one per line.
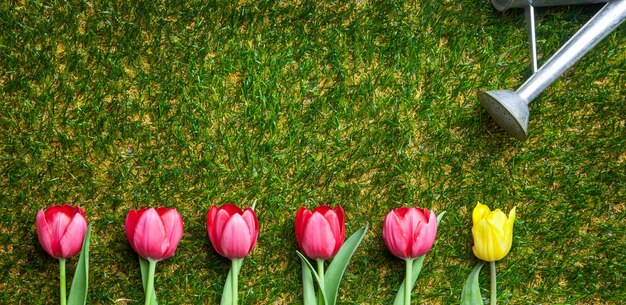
(302, 217)
(210, 224)
(150, 239)
(130, 224)
(58, 219)
(236, 238)
(424, 233)
(44, 233)
(318, 239)
(173, 224)
(396, 234)
(72, 241)
(253, 225)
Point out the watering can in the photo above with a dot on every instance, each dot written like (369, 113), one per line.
(510, 108)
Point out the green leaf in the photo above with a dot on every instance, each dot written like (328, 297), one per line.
(308, 290)
(338, 265)
(471, 290)
(417, 268)
(80, 283)
(439, 217)
(305, 262)
(144, 265)
(227, 294)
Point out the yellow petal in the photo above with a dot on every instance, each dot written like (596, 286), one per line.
(483, 241)
(497, 218)
(480, 210)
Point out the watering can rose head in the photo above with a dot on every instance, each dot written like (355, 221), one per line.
(409, 232)
(154, 233)
(321, 232)
(61, 230)
(233, 232)
(492, 232)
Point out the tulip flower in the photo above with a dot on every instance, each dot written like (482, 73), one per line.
(409, 233)
(321, 232)
(61, 231)
(320, 235)
(493, 236)
(492, 232)
(154, 234)
(233, 233)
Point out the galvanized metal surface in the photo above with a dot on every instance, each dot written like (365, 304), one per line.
(510, 109)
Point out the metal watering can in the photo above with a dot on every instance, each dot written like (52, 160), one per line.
(510, 108)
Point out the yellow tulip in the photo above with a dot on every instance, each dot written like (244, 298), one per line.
(492, 232)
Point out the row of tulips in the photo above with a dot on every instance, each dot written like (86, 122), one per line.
(154, 234)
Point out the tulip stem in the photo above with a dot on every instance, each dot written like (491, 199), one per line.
(62, 281)
(234, 279)
(493, 282)
(320, 273)
(407, 280)
(150, 285)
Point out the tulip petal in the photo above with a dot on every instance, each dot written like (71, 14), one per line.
(72, 241)
(44, 233)
(173, 224)
(318, 238)
(395, 235)
(302, 217)
(479, 212)
(58, 219)
(337, 225)
(481, 234)
(253, 225)
(210, 223)
(236, 238)
(150, 238)
(424, 235)
(221, 218)
(129, 225)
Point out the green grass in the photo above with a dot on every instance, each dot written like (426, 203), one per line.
(119, 105)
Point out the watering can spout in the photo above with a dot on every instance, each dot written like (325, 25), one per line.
(508, 109)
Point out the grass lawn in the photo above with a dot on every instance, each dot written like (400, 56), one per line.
(115, 105)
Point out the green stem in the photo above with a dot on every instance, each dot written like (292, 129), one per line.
(320, 273)
(150, 285)
(493, 283)
(234, 280)
(407, 280)
(62, 281)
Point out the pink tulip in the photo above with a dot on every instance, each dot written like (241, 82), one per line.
(154, 234)
(61, 230)
(320, 233)
(409, 232)
(232, 232)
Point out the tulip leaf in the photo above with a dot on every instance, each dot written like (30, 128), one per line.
(471, 290)
(144, 265)
(439, 217)
(227, 292)
(80, 282)
(308, 290)
(338, 265)
(305, 262)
